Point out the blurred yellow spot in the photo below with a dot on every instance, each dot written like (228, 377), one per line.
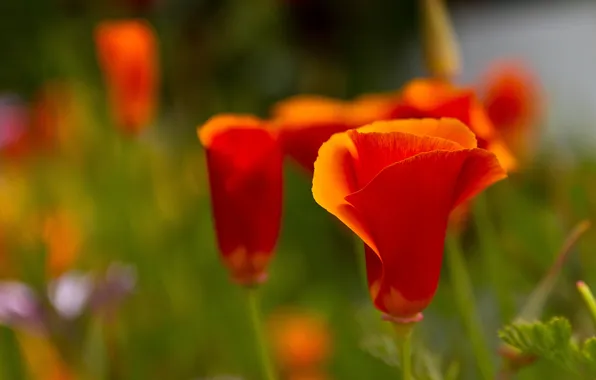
(439, 41)
(42, 359)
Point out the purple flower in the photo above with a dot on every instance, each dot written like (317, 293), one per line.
(70, 293)
(118, 282)
(19, 306)
(70, 296)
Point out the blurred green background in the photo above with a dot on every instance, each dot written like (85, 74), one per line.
(145, 200)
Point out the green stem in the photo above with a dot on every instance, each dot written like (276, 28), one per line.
(492, 259)
(588, 297)
(12, 364)
(406, 355)
(257, 323)
(464, 297)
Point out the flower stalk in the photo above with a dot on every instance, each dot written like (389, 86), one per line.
(404, 341)
(464, 297)
(492, 260)
(268, 371)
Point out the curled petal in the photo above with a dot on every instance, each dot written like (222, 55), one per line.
(245, 174)
(335, 178)
(444, 128)
(406, 209)
(378, 150)
(395, 190)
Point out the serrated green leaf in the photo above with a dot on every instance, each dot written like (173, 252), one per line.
(553, 341)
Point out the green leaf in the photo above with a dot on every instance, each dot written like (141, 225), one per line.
(553, 341)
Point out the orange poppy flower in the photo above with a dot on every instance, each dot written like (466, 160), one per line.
(301, 341)
(394, 184)
(128, 58)
(429, 98)
(511, 99)
(245, 174)
(63, 241)
(305, 122)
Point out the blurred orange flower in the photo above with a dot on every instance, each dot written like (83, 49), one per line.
(307, 121)
(512, 101)
(429, 98)
(394, 184)
(63, 241)
(301, 340)
(245, 175)
(127, 53)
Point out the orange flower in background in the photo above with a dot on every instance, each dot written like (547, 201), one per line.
(428, 98)
(127, 52)
(512, 102)
(63, 241)
(369, 108)
(394, 184)
(305, 122)
(244, 162)
(301, 340)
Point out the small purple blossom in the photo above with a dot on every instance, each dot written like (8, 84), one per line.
(19, 306)
(69, 296)
(118, 283)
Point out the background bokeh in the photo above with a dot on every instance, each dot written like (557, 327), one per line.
(144, 200)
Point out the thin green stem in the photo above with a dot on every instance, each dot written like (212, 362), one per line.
(464, 297)
(492, 259)
(535, 303)
(588, 297)
(261, 341)
(406, 355)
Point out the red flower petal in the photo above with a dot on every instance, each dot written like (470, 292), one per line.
(405, 208)
(334, 178)
(424, 98)
(378, 149)
(348, 161)
(245, 175)
(305, 123)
